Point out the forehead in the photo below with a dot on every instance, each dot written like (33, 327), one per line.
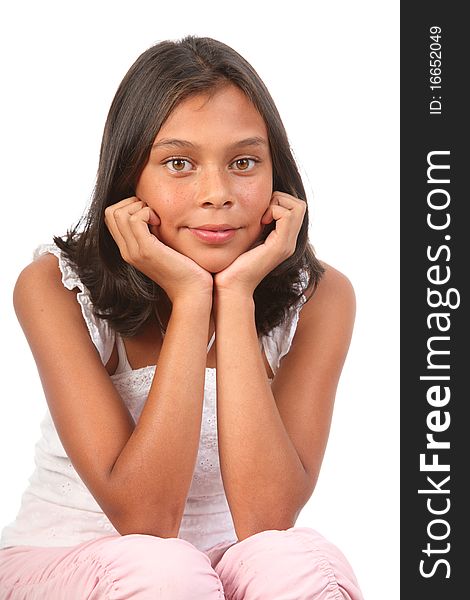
(223, 113)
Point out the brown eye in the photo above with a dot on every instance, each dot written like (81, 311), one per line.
(243, 164)
(178, 165)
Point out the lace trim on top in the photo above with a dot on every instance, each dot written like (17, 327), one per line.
(278, 341)
(101, 333)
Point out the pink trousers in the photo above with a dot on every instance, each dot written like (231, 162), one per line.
(293, 564)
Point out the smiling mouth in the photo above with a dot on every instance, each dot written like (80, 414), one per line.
(213, 237)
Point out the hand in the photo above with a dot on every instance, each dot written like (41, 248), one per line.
(250, 268)
(133, 226)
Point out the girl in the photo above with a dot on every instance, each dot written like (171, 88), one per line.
(179, 449)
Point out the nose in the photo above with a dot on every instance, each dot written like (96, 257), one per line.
(213, 188)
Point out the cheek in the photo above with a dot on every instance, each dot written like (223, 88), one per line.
(165, 201)
(256, 199)
(156, 191)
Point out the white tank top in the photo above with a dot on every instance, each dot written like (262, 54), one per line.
(56, 507)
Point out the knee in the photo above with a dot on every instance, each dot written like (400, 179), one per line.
(298, 559)
(137, 564)
(336, 567)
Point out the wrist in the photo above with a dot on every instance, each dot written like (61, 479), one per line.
(232, 292)
(197, 302)
(234, 299)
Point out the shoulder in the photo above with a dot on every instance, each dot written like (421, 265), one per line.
(54, 307)
(40, 274)
(334, 291)
(46, 264)
(330, 309)
(39, 288)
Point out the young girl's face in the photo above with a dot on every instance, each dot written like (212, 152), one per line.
(210, 165)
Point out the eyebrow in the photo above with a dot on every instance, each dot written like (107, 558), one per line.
(255, 141)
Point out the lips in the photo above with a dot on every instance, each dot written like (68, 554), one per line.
(214, 236)
(215, 227)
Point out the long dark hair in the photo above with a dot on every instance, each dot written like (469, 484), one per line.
(160, 78)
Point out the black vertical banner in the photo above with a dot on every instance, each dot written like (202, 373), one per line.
(435, 336)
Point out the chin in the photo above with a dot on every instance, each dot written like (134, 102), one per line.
(214, 266)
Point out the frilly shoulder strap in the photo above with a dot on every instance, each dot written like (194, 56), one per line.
(278, 341)
(101, 333)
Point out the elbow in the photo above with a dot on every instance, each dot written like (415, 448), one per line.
(280, 517)
(133, 510)
(153, 529)
(147, 520)
(245, 530)
(147, 524)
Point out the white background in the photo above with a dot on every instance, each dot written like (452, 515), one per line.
(332, 69)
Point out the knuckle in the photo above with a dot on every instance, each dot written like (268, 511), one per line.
(288, 251)
(144, 253)
(134, 258)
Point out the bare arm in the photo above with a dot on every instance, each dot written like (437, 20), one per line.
(139, 475)
(272, 438)
(158, 460)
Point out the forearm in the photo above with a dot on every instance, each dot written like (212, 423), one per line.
(263, 476)
(156, 465)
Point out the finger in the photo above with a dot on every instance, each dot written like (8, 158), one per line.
(286, 196)
(274, 212)
(284, 218)
(132, 204)
(288, 223)
(296, 209)
(139, 222)
(124, 235)
(109, 210)
(289, 201)
(116, 234)
(292, 203)
(286, 201)
(125, 202)
(149, 216)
